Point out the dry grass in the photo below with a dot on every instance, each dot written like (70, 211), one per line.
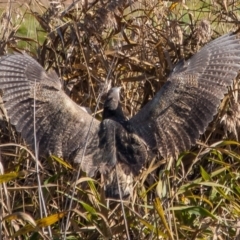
(100, 44)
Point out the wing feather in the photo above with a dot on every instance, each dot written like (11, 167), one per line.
(18, 109)
(173, 120)
(61, 125)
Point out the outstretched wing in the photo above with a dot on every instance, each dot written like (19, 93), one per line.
(176, 116)
(36, 103)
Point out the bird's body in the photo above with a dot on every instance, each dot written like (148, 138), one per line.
(170, 123)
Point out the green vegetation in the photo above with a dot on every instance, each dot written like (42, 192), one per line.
(195, 197)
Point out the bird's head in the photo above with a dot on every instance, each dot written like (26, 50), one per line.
(112, 107)
(113, 98)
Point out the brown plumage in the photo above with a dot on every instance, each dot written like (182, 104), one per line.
(170, 123)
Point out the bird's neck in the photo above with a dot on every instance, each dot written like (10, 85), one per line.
(114, 114)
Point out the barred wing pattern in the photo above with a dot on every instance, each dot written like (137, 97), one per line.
(61, 126)
(176, 116)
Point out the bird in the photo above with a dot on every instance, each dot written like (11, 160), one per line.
(116, 146)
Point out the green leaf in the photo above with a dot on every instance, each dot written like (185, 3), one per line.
(199, 211)
(204, 174)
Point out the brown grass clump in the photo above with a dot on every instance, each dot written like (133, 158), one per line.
(96, 44)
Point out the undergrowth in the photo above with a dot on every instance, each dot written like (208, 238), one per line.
(135, 45)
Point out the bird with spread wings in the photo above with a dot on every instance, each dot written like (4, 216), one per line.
(169, 124)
